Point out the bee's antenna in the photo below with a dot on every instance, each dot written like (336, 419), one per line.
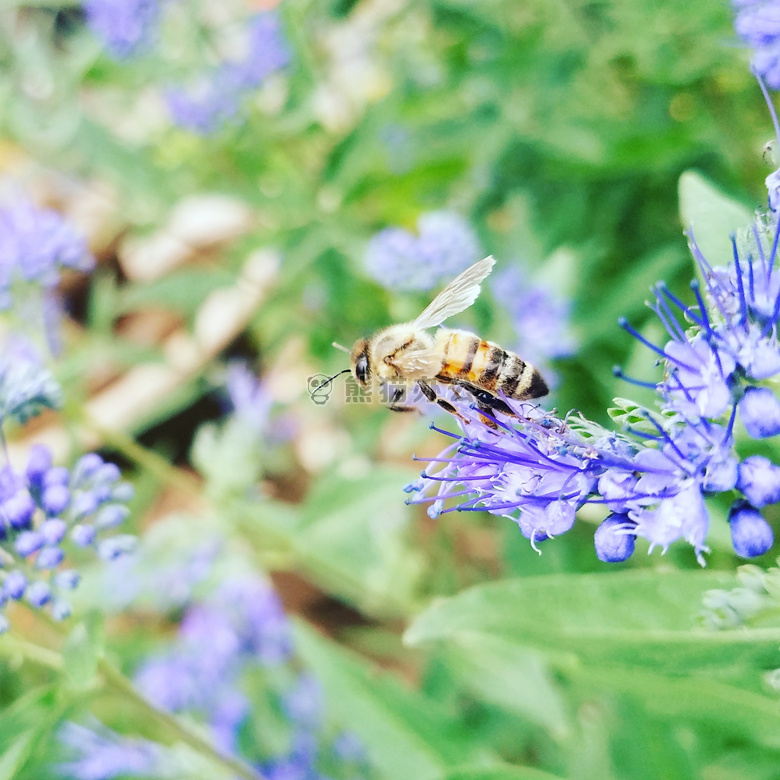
(341, 347)
(328, 381)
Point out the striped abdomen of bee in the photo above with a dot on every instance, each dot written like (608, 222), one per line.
(468, 358)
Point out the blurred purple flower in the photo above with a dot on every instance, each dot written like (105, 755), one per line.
(303, 704)
(124, 26)
(541, 319)
(35, 244)
(242, 623)
(101, 754)
(27, 387)
(216, 97)
(250, 399)
(757, 22)
(235, 638)
(444, 246)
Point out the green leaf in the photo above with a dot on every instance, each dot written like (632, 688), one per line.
(712, 215)
(16, 754)
(406, 734)
(734, 710)
(351, 538)
(82, 651)
(22, 725)
(642, 618)
(497, 773)
(514, 678)
(626, 412)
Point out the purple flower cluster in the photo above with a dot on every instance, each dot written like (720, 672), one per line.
(242, 624)
(124, 26)
(238, 635)
(216, 97)
(444, 246)
(101, 754)
(718, 364)
(46, 513)
(758, 24)
(27, 387)
(35, 245)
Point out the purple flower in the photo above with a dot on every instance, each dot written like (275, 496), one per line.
(206, 673)
(614, 539)
(349, 747)
(538, 470)
(216, 97)
(259, 618)
(35, 244)
(101, 754)
(250, 398)
(759, 411)
(241, 623)
(751, 535)
(27, 387)
(14, 585)
(759, 480)
(758, 24)
(444, 246)
(30, 535)
(28, 542)
(38, 594)
(540, 315)
(124, 26)
(303, 704)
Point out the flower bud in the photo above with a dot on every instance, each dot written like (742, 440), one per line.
(39, 593)
(759, 411)
(53, 530)
(613, 539)
(38, 464)
(19, 509)
(14, 585)
(28, 542)
(55, 498)
(49, 558)
(751, 535)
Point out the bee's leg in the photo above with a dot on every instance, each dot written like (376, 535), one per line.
(430, 394)
(396, 398)
(486, 401)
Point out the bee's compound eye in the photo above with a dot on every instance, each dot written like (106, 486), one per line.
(361, 369)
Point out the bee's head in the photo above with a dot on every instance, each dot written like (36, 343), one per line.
(361, 366)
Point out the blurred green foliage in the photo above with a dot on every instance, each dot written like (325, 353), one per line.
(552, 125)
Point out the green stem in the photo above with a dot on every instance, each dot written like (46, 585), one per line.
(148, 460)
(10, 644)
(116, 680)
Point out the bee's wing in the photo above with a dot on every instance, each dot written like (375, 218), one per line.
(458, 295)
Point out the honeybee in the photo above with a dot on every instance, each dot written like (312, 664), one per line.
(407, 354)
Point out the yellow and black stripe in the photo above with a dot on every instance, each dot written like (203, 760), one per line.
(468, 358)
